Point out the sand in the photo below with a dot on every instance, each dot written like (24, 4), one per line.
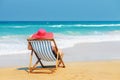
(106, 70)
(86, 61)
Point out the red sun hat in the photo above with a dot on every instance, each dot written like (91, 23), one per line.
(42, 34)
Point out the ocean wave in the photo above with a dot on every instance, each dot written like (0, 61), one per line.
(12, 45)
(94, 32)
(115, 32)
(97, 25)
(13, 37)
(54, 26)
(19, 26)
(65, 41)
(61, 26)
(19, 45)
(86, 25)
(25, 26)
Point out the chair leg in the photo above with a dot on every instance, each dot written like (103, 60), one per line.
(35, 65)
(30, 61)
(41, 63)
(56, 64)
(61, 61)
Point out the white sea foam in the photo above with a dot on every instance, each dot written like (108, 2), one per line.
(85, 25)
(58, 26)
(69, 41)
(15, 26)
(18, 44)
(12, 44)
(97, 25)
(19, 27)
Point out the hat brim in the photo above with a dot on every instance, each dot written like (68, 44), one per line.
(48, 35)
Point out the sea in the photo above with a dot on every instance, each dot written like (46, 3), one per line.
(14, 34)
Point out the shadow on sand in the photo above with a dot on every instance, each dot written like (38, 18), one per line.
(40, 70)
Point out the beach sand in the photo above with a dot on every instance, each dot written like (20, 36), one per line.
(107, 70)
(86, 61)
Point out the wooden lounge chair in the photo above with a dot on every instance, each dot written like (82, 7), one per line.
(43, 51)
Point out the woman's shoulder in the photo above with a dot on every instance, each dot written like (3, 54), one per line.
(30, 37)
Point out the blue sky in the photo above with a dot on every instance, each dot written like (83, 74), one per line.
(60, 10)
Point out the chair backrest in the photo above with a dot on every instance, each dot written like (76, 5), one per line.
(43, 49)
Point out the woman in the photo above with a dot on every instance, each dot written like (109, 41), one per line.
(42, 34)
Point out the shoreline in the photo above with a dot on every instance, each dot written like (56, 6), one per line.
(82, 52)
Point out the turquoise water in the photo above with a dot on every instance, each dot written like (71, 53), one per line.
(66, 33)
(67, 27)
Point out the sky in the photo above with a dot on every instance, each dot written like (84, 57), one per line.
(59, 10)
